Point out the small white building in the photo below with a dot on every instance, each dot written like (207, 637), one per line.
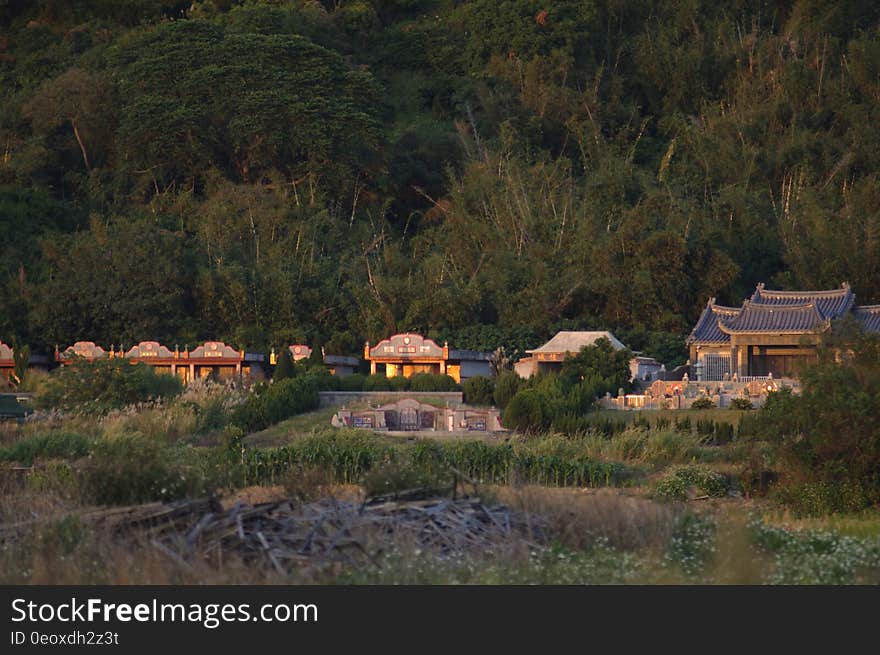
(549, 357)
(644, 368)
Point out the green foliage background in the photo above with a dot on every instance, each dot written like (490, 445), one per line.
(487, 172)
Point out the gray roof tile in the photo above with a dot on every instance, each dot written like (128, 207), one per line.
(832, 303)
(869, 317)
(770, 310)
(756, 317)
(706, 330)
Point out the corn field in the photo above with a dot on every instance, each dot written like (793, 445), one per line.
(348, 459)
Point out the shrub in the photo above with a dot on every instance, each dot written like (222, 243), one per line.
(817, 556)
(679, 480)
(306, 483)
(478, 390)
(431, 382)
(703, 402)
(827, 439)
(599, 366)
(353, 382)
(821, 498)
(399, 383)
(506, 387)
(67, 445)
(213, 415)
(135, 469)
(741, 403)
(527, 411)
(105, 384)
(279, 401)
(284, 368)
(57, 477)
(377, 382)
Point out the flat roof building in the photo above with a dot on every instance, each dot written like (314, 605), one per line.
(211, 359)
(409, 353)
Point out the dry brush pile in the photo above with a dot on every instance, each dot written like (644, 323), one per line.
(286, 536)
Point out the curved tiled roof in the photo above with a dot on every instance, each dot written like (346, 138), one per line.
(831, 303)
(782, 312)
(706, 330)
(869, 317)
(756, 317)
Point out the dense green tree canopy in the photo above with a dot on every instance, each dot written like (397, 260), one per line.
(486, 172)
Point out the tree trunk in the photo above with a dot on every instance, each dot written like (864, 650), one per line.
(81, 146)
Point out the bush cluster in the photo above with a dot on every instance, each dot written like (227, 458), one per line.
(741, 403)
(69, 445)
(827, 439)
(105, 384)
(680, 479)
(135, 469)
(276, 402)
(478, 390)
(380, 382)
(817, 556)
(560, 401)
(703, 402)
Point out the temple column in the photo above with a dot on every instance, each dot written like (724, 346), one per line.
(742, 361)
(372, 367)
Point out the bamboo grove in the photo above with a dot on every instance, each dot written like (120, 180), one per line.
(283, 171)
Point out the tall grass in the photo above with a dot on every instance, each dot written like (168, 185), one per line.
(636, 445)
(350, 455)
(69, 445)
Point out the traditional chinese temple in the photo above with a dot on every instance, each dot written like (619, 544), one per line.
(211, 359)
(773, 333)
(408, 354)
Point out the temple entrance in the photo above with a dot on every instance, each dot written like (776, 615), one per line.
(781, 362)
(408, 419)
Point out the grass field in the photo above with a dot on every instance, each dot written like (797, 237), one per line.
(284, 432)
(731, 416)
(644, 504)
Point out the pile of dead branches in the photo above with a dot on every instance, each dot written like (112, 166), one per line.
(286, 534)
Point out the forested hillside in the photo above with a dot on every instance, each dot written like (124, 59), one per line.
(269, 172)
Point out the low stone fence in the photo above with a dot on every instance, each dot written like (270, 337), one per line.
(347, 398)
(681, 394)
